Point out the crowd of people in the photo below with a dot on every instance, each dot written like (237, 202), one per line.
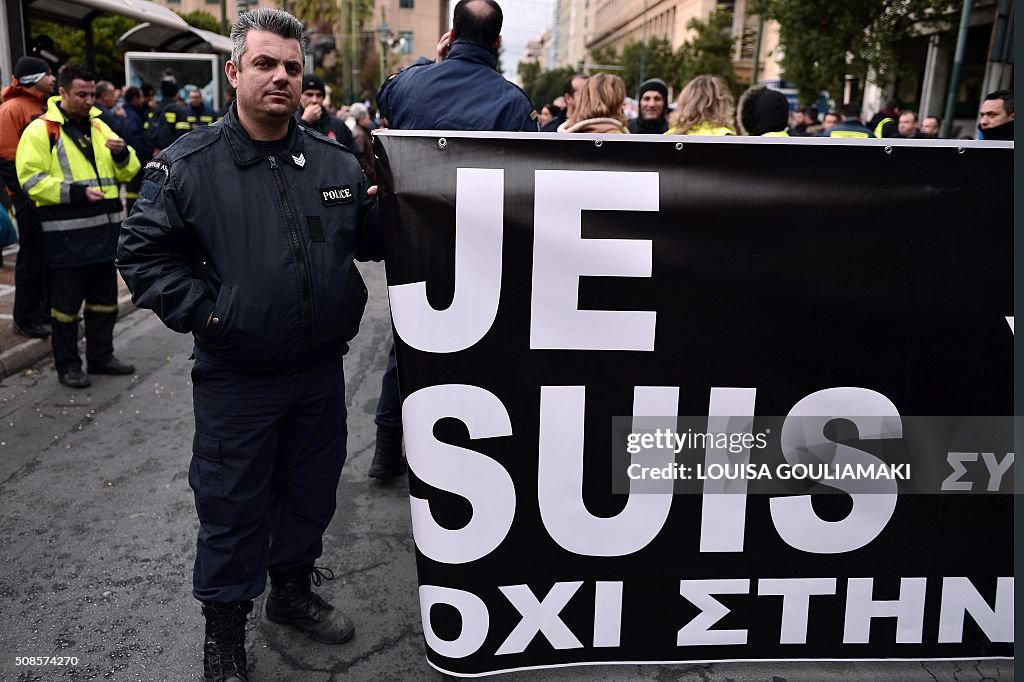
(706, 106)
(265, 280)
(52, 276)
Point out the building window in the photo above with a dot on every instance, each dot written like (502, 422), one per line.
(406, 4)
(405, 40)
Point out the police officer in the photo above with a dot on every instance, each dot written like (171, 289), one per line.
(244, 234)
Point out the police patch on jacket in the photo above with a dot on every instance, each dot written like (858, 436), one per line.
(152, 183)
(332, 196)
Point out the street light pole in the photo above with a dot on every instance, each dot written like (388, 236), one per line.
(958, 60)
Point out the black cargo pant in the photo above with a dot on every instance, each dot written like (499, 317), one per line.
(266, 459)
(97, 286)
(31, 300)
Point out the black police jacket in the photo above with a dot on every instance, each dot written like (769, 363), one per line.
(252, 252)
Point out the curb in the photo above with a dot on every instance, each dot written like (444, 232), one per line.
(32, 351)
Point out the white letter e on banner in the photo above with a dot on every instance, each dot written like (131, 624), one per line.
(561, 256)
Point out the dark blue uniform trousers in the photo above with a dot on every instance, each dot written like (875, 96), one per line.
(266, 460)
(389, 405)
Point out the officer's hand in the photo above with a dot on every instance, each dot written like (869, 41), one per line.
(115, 144)
(94, 194)
(443, 45)
(312, 113)
(371, 191)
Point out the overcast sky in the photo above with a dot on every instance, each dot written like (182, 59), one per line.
(524, 21)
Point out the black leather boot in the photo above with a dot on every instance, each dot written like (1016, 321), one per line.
(292, 602)
(388, 460)
(224, 649)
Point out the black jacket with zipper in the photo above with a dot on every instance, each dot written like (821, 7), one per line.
(264, 242)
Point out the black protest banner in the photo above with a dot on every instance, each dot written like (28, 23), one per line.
(543, 286)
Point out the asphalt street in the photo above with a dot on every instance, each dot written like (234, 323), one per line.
(97, 538)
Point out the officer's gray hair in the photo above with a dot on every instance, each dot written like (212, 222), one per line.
(275, 21)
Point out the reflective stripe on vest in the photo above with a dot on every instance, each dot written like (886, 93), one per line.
(881, 124)
(849, 134)
(33, 181)
(80, 223)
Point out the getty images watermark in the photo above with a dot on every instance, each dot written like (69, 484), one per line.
(812, 454)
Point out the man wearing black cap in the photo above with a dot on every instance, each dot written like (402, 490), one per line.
(653, 99)
(313, 114)
(24, 100)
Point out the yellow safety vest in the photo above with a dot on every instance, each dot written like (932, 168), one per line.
(48, 169)
(705, 128)
(881, 124)
(848, 134)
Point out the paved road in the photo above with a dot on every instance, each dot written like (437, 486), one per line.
(97, 533)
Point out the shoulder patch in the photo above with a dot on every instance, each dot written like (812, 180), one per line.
(156, 164)
(534, 115)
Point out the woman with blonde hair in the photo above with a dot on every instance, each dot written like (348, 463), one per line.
(598, 107)
(705, 107)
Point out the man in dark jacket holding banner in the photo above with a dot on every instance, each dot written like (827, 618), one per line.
(244, 234)
(430, 95)
(422, 96)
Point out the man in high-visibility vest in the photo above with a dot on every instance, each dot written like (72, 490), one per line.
(850, 126)
(70, 163)
(886, 122)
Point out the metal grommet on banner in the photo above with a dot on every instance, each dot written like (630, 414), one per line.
(888, 150)
(679, 146)
(960, 150)
(442, 143)
(598, 143)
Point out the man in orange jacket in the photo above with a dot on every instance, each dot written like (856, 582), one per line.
(24, 100)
